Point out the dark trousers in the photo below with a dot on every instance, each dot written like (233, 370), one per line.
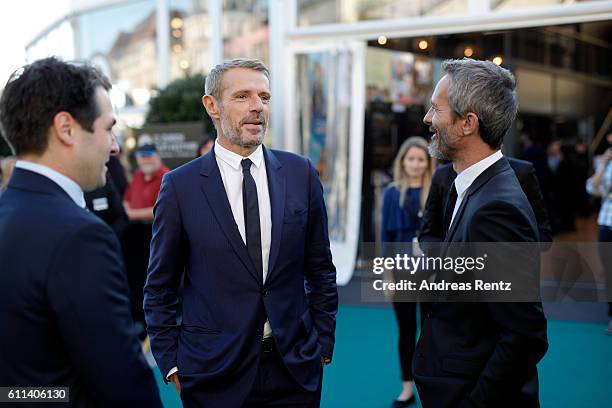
(405, 313)
(274, 386)
(605, 254)
(136, 244)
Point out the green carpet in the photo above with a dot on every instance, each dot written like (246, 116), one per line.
(576, 371)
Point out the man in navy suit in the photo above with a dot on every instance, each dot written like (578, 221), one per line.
(64, 308)
(245, 228)
(479, 354)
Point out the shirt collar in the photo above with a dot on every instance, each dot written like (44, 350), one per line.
(234, 159)
(68, 185)
(465, 179)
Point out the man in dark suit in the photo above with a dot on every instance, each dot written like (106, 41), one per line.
(479, 354)
(432, 228)
(246, 228)
(63, 293)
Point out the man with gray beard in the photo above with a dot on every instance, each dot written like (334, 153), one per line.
(245, 228)
(480, 354)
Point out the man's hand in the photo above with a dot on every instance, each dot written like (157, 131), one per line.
(175, 380)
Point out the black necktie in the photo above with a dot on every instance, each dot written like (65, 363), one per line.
(251, 215)
(451, 200)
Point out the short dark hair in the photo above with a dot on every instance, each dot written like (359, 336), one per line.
(34, 94)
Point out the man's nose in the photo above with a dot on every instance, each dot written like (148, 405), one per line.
(427, 117)
(114, 146)
(257, 104)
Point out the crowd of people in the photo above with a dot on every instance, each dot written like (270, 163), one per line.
(225, 263)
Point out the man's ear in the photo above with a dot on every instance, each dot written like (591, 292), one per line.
(212, 106)
(470, 124)
(63, 126)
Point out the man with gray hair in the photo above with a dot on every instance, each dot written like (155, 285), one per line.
(245, 228)
(479, 354)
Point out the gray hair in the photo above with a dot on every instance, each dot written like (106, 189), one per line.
(487, 90)
(213, 80)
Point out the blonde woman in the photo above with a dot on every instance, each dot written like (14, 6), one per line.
(403, 201)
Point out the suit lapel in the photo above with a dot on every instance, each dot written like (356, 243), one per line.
(214, 191)
(276, 187)
(497, 167)
(453, 226)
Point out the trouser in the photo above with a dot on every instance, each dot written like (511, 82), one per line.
(405, 313)
(274, 386)
(605, 255)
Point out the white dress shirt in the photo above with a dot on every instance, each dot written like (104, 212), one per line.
(231, 174)
(68, 185)
(465, 179)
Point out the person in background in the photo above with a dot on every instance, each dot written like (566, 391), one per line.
(64, 308)
(7, 165)
(138, 201)
(600, 185)
(141, 194)
(205, 145)
(105, 202)
(118, 173)
(403, 201)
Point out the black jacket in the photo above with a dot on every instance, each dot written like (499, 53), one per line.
(484, 354)
(432, 229)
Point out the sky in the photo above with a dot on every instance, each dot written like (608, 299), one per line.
(20, 22)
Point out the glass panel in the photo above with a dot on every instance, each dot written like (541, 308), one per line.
(311, 12)
(324, 89)
(520, 4)
(190, 35)
(121, 40)
(58, 42)
(245, 29)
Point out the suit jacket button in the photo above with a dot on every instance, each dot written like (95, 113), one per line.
(265, 293)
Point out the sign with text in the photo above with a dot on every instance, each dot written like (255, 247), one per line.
(177, 143)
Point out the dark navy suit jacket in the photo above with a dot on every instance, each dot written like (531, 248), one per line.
(225, 304)
(484, 354)
(64, 308)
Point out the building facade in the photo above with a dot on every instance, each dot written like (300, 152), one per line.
(352, 78)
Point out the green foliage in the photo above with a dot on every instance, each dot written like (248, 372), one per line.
(180, 101)
(5, 150)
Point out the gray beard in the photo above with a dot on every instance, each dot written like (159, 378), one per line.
(233, 135)
(433, 150)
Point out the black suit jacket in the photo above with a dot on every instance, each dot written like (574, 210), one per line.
(64, 308)
(106, 203)
(484, 354)
(432, 228)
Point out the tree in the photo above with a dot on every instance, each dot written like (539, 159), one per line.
(180, 101)
(5, 150)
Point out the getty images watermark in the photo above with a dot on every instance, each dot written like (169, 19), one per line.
(404, 263)
(483, 272)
